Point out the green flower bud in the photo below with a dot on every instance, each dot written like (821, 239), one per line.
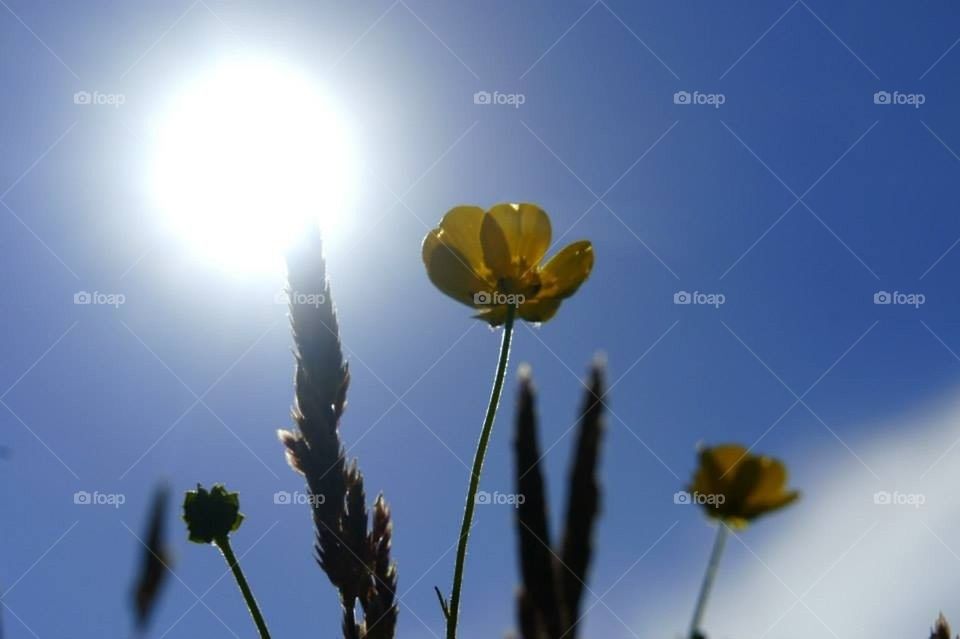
(212, 515)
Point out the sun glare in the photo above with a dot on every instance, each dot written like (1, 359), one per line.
(248, 154)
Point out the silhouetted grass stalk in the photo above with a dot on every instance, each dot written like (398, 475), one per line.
(354, 554)
(941, 629)
(553, 581)
(453, 610)
(223, 543)
(718, 544)
(155, 563)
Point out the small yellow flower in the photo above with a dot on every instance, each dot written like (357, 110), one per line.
(736, 486)
(490, 260)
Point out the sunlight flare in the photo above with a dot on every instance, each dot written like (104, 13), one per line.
(247, 155)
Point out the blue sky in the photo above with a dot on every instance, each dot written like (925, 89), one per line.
(799, 198)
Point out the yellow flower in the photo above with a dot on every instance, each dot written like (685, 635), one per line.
(736, 486)
(490, 260)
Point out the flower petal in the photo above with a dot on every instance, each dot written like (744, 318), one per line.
(449, 271)
(755, 509)
(743, 481)
(460, 230)
(539, 310)
(768, 494)
(496, 251)
(526, 228)
(721, 459)
(773, 478)
(563, 274)
(715, 474)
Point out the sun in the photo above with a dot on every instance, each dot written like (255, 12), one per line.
(248, 154)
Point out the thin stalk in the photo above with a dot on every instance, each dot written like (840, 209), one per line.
(453, 609)
(224, 545)
(718, 544)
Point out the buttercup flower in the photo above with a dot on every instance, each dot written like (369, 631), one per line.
(490, 260)
(736, 486)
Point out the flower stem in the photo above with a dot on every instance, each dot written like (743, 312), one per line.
(223, 543)
(454, 607)
(714, 562)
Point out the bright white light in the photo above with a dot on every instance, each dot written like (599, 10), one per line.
(246, 156)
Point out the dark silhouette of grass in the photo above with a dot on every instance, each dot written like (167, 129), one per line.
(941, 629)
(548, 602)
(356, 560)
(154, 561)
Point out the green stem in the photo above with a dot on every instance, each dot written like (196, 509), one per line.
(223, 544)
(454, 607)
(708, 577)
